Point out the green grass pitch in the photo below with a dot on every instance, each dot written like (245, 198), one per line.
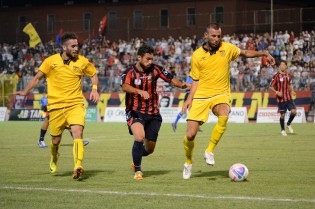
(281, 169)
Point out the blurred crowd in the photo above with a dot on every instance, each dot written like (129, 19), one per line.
(112, 57)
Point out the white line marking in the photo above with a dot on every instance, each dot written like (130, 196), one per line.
(159, 194)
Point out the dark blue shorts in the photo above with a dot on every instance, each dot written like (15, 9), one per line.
(284, 106)
(151, 124)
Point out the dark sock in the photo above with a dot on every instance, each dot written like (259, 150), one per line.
(282, 123)
(42, 134)
(144, 152)
(137, 155)
(290, 119)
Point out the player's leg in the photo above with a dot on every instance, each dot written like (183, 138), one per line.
(292, 109)
(189, 139)
(57, 125)
(198, 114)
(137, 130)
(75, 117)
(178, 117)
(282, 109)
(77, 150)
(85, 142)
(54, 151)
(189, 144)
(43, 130)
(151, 130)
(221, 110)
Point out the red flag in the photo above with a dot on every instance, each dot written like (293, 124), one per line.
(102, 26)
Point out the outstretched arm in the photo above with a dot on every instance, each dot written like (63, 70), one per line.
(179, 84)
(252, 53)
(31, 84)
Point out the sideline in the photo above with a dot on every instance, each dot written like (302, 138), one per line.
(122, 193)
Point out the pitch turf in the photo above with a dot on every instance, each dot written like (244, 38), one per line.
(281, 169)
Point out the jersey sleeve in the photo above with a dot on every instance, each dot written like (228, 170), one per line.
(234, 52)
(126, 77)
(89, 69)
(274, 80)
(164, 74)
(45, 66)
(194, 68)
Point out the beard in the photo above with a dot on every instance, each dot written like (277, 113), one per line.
(71, 56)
(214, 46)
(143, 66)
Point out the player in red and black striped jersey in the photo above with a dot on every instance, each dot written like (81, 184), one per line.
(281, 84)
(143, 117)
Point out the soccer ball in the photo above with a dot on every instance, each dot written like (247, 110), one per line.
(238, 172)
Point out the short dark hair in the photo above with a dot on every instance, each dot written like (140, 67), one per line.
(145, 48)
(67, 36)
(279, 62)
(215, 26)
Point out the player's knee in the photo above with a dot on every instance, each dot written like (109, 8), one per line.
(138, 137)
(149, 147)
(293, 112)
(190, 136)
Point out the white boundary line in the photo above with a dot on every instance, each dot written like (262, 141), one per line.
(159, 194)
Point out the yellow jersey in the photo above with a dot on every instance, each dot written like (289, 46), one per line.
(213, 71)
(64, 80)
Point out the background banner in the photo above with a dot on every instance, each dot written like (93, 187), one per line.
(250, 100)
(271, 115)
(3, 112)
(117, 114)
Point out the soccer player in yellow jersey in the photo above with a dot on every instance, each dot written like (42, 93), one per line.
(64, 73)
(210, 90)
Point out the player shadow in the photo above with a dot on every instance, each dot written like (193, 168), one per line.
(87, 174)
(155, 173)
(212, 175)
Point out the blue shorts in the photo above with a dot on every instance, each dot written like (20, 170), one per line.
(151, 123)
(284, 106)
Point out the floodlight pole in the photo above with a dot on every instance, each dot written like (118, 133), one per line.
(271, 18)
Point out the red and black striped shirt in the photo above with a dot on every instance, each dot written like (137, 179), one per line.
(282, 82)
(145, 81)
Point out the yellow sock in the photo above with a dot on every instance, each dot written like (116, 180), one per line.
(217, 132)
(54, 151)
(189, 148)
(78, 152)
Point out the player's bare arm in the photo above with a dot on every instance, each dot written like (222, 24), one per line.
(292, 90)
(179, 84)
(252, 53)
(31, 84)
(278, 93)
(187, 103)
(94, 96)
(129, 89)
